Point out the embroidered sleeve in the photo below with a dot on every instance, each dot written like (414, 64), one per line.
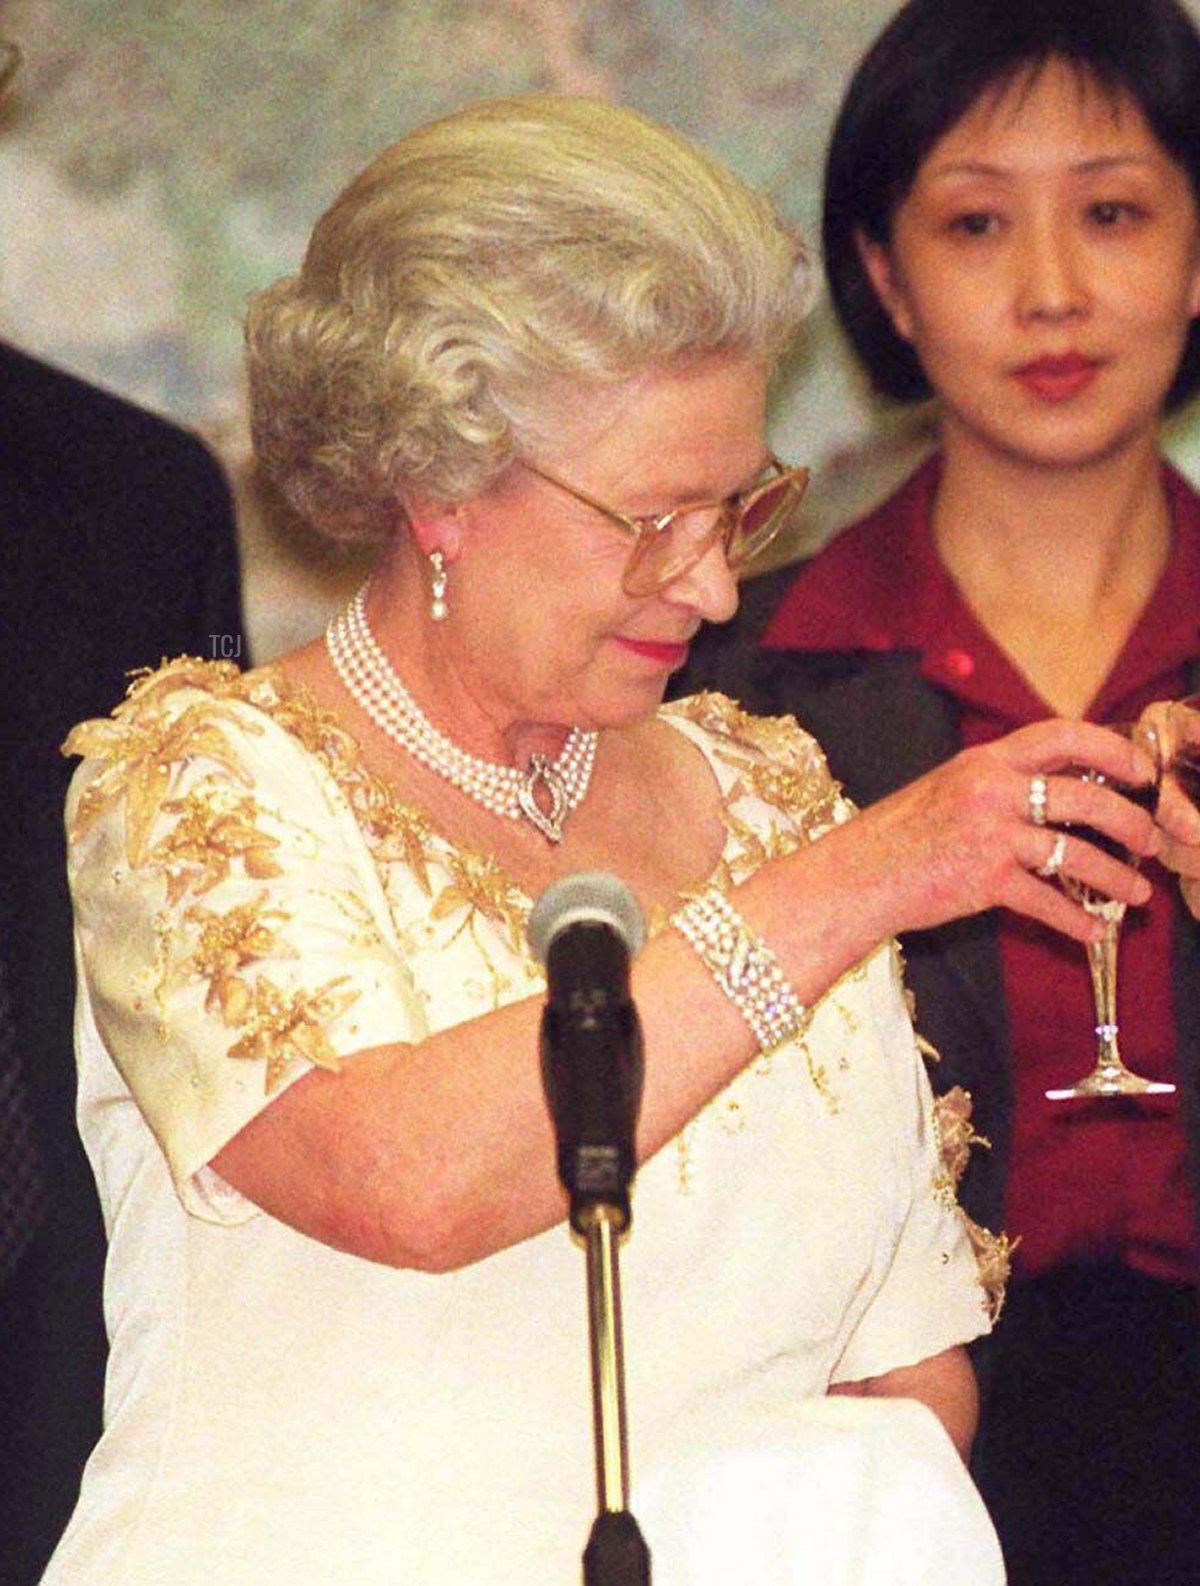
(232, 929)
(933, 1294)
(956, 1139)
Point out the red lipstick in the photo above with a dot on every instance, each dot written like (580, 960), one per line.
(670, 656)
(1058, 378)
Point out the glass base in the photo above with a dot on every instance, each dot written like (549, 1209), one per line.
(1112, 1079)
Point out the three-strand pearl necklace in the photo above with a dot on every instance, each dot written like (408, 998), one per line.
(371, 679)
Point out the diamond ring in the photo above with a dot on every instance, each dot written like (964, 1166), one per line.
(1054, 860)
(1037, 799)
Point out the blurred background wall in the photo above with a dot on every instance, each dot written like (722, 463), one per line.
(159, 159)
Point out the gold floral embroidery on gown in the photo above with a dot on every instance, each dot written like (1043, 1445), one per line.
(145, 740)
(199, 839)
(214, 831)
(956, 1139)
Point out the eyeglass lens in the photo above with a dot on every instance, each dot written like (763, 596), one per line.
(659, 558)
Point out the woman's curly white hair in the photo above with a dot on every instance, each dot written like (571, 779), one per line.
(482, 273)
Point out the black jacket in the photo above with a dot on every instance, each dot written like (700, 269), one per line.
(118, 549)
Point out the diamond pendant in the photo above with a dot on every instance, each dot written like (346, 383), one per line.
(542, 774)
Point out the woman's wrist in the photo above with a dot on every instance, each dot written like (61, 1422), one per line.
(817, 911)
(743, 966)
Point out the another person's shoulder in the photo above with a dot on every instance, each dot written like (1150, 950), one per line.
(720, 653)
(37, 391)
(65, 434)
(1184, 497)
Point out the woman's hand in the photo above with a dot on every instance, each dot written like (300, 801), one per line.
(1179, 823)
(963, 838)
(1175, 730)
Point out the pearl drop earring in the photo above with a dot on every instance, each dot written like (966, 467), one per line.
(437, 586)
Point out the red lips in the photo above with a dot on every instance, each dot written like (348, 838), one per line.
(671, 656)
(1060, 377)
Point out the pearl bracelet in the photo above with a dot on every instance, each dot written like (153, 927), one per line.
(744, 967)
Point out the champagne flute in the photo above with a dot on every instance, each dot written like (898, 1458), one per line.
(1174, 729)
(1109, 1075)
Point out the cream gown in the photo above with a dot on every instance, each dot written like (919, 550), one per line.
(250, 901)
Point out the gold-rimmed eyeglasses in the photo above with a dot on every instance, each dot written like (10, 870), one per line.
(669, 544)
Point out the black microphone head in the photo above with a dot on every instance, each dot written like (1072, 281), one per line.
(587, 897)
(584, 930)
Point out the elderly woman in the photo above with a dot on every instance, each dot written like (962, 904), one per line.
(530, 349)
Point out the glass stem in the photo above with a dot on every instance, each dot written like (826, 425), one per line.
(1102, 960)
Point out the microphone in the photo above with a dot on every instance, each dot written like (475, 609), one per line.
(584, 929)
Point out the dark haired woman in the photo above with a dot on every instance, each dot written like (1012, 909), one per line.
(1011, 225)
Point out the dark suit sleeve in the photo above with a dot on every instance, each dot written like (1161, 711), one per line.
(120, 548)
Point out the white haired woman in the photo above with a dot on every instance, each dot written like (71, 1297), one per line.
(529, 348)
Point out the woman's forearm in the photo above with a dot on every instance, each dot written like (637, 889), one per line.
(436, 1154)
(945, 1382)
